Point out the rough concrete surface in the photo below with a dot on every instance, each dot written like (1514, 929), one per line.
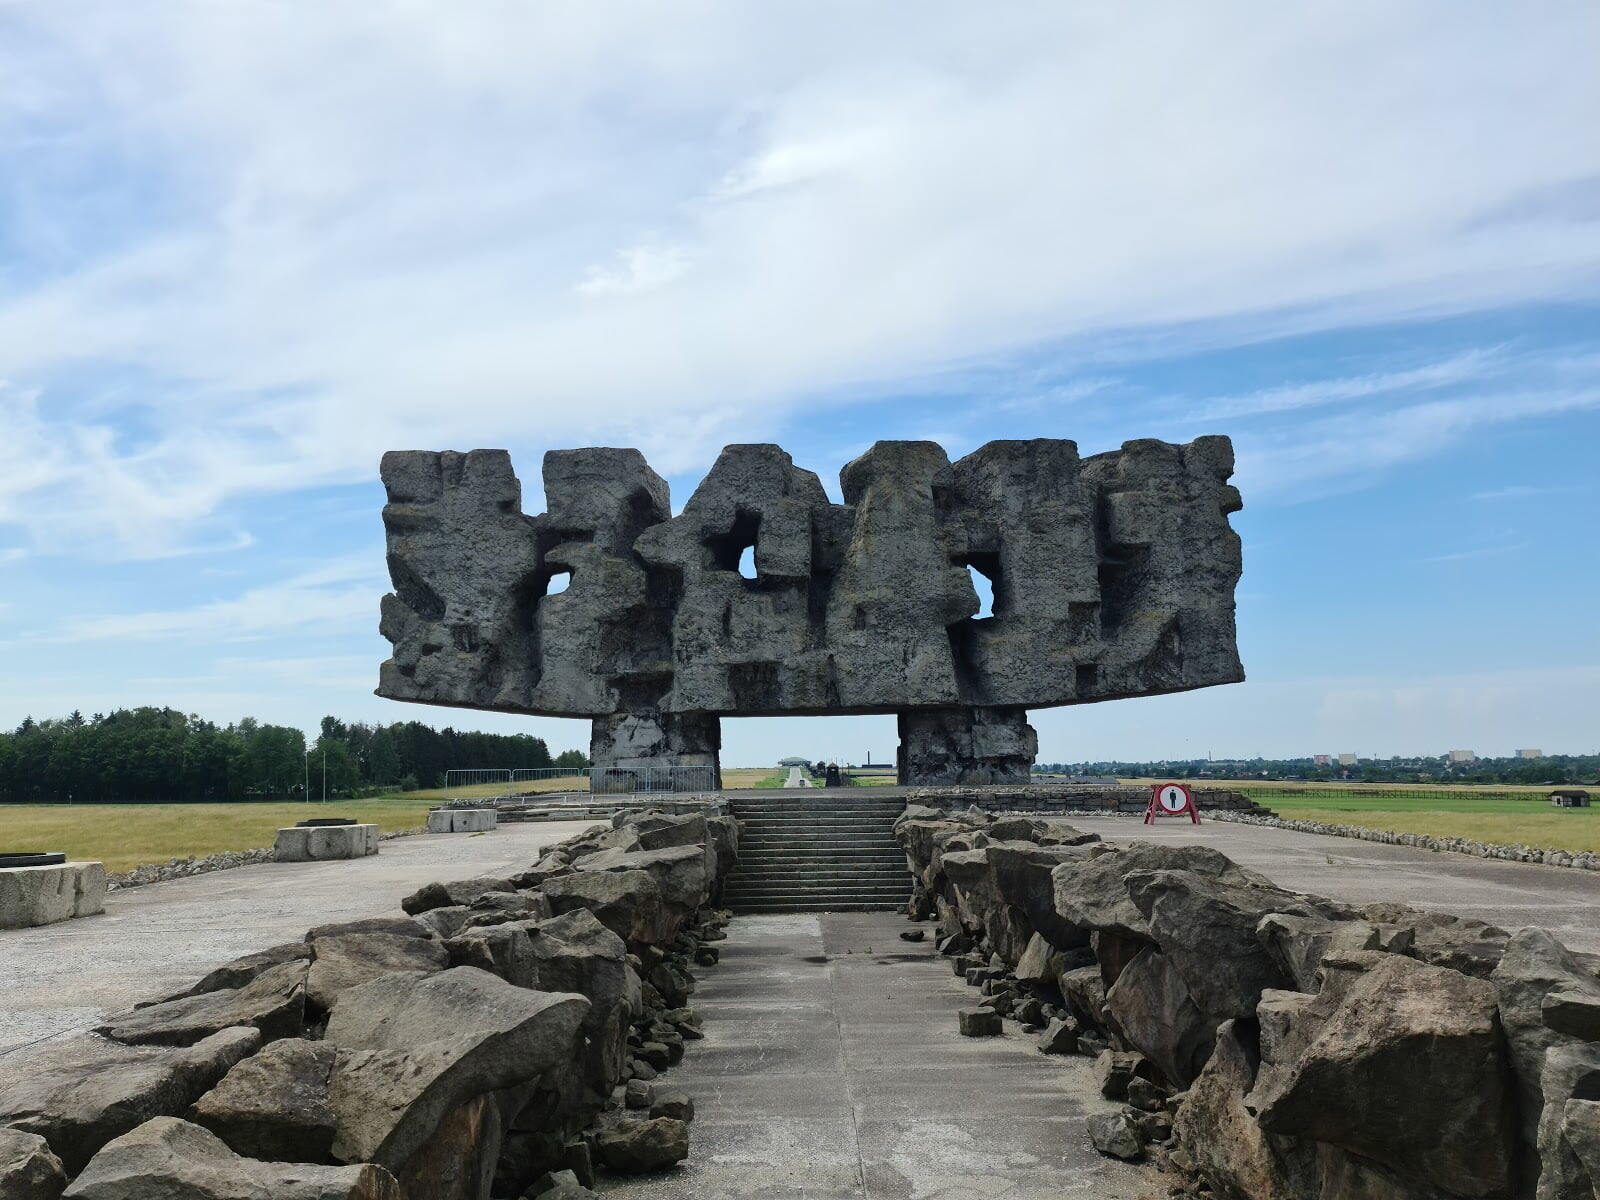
(154, 940)
(832, 1067)
(1511, 895)
(1112, 576)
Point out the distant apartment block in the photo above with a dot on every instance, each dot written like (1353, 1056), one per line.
(1530, 753)
(1347, 760)
(1322, 760)
(1462, 756)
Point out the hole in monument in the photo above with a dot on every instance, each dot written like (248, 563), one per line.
(558, 583)
(985, 590)
(865, 748)
(747, 562)
(736, 550)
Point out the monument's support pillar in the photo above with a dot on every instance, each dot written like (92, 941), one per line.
(965, 745)
(625, 748)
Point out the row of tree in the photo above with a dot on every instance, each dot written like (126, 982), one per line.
(1551, 769)
(160, 754)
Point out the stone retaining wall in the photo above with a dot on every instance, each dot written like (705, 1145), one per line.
(1268, 1044)
(1070, 798)
(468, 1048)
(1581, 860)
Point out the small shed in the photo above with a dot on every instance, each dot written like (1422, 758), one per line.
(1569, 798)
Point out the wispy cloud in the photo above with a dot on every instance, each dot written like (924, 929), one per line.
(1470, 367)
(1524, 491)
(333, 597)
(305, 256)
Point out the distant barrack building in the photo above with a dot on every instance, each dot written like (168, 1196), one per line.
(1530, 753)
(1112, 576)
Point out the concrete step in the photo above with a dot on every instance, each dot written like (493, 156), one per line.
(841, 892)
(786, 907)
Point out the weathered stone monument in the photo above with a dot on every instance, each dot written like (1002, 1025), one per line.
(1112, 576)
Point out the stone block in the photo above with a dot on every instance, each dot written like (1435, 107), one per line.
(323, 843)
(44, 895)
(462, 820)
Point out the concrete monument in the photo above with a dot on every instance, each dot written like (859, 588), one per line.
(1112, 576)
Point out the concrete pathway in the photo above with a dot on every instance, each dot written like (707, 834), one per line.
(156, 939)
(832, 1068)
(795, 779)
(1511, 895)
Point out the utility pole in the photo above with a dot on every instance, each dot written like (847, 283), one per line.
(308, 776)
(324, 775)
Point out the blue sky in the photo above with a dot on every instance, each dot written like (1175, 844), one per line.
(246, 248)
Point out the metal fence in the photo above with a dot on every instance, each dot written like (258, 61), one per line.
(501, 783)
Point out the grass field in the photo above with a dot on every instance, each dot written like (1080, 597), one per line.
(124, 835)
(1505, 813)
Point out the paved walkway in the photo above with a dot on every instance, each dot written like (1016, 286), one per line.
(832, 1068)
(795, 779)
(1511, 895)
(156, 939)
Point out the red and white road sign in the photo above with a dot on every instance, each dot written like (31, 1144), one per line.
(1171, 800)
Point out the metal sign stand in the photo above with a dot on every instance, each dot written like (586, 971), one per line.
(1170, 800)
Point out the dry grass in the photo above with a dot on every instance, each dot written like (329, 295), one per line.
(1571, 829)
(125, 835)
(1356, 789)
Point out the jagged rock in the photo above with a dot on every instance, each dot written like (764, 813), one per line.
(639, 1094)
(1085, 994)
(1150, 1008)
(1571, 1073)
(412, 1051)
(1093, 895)
(273, 1002)
(638, 1146)
(447, 922)
(1207, 929)
(629, 903)
(28, 1170)
(1229, 1149)
(1059, 1037)
(240, 971)
(398, 926)
(1114, 1134)
(341, 961)
(1297, 944)
(86, 1092)
(1533, 967)
(1400, 1063)
(912, 935)
(559, 1185)
(169, 1159)
(1150, 1097)
(1574, 1010)
(674, 1103)
(1023, 878)
(1441, 940)
(1580, 1128)
(275, 1104)
(461, 891)
(497, 908)
(979, 1022)
(679, 871)
(1115, 1069)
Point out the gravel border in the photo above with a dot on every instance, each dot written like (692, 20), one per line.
(183, 868)
(1581, 860)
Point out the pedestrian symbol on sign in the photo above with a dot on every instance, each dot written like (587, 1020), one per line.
(1170, 800)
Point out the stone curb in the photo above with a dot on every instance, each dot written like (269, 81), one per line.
(1579, 860)
(184, 868)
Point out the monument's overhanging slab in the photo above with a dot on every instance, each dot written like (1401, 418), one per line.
(1112, 576)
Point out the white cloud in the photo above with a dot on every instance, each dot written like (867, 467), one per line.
(333, 597)
(313, 233)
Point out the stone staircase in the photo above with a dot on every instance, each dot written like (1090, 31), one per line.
(817, 850)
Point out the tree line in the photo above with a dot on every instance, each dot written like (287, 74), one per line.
(1551, 769)
(143, 755)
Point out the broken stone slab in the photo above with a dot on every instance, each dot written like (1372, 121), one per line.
(341, 961)
(1439, 939)
(558, 1185)
(979, 1022)
(414, 1050)
(1571, 1073)
(629, 903)
(28, 1170)
(1059, 1037)
(634, 1147)
(1093, 894)
(241, 971)
(273, 1002)
(1115, 1069)
(401, 926)
(1207, 928)
(679, 871)
(674, 1103)
(1533, 967)
(1400, 1063)
(88, 1091)
(1228, 1147)
(1115, 1134)
(1580, 1128)
(1298, 944)
(166, 1157)
(325, 843)
(462, 820)
(1151, 1009)
(274, 1105)
(43, 895)
(459, 891)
